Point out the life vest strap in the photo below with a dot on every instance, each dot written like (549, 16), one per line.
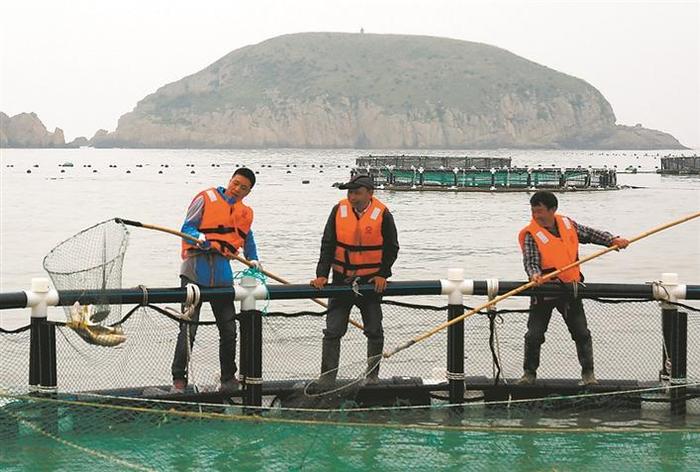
(226, 245)
(349, 266)
(224, 230)
(217, 230)
(351, 247)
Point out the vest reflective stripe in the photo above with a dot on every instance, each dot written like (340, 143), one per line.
(226, 226)
(358, 251)
(555, 252)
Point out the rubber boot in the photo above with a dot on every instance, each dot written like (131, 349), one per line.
(374, 351)
(585, 354)
(330, 358)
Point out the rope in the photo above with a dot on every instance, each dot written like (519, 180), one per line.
(455, 375)
(174, 411)
(192, 300)
(14, 331)
(493, 345)
(143, 288)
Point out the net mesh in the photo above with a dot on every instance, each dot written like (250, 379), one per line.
(292, 347)
(91, 260)
(82, 432)
(500, 178)
(100, 415)
(112, 426)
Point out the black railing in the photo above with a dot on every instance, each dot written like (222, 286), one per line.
(42, 362)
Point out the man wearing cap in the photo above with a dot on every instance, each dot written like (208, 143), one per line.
(360, 244)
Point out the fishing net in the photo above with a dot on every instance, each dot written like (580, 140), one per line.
(102, 420)
(101, 416)
(86, 432)
(91, 260)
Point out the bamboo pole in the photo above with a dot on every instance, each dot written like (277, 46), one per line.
(528, 285)
(236, 257)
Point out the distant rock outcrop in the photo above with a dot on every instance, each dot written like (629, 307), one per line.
(26, 130)
(637, 137)
(376, 91)
(101, 135)
(80, 141)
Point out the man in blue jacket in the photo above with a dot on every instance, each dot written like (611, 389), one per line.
(221, 223)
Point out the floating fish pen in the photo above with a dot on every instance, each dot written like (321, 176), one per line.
(89, 387)
(112, 406)
(680, 165)
(478, 174)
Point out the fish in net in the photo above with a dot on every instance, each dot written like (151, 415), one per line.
(90, 260)
(92, 333)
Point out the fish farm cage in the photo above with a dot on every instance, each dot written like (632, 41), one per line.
(65, 403)
(277, 348)
(478, 174)
(680, 165)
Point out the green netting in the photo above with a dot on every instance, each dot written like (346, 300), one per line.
(83, 432)
(633, 429)
(501, 178)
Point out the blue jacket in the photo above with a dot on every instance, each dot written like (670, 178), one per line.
(210, 268)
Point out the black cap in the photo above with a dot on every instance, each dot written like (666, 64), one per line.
(360, 180)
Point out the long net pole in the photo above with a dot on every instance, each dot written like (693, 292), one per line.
(528, 285)
(235, 256)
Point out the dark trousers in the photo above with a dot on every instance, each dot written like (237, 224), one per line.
(225, 315)
(538, 321)
(337, 325)
(339, 315)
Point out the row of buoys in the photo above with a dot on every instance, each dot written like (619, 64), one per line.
(114, 166)
(289, 171)
(94, 171)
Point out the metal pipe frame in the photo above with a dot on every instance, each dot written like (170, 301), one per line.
(657, 291)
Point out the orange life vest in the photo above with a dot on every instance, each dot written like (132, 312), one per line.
(358, 251)
(555, 252)
(225, 225)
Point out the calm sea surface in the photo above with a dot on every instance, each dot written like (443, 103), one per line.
(476, 231)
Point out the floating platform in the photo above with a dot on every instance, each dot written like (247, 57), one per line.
(680, 165)
(415, 391)
(478, 174)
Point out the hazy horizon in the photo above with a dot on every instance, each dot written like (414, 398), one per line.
(81, 65)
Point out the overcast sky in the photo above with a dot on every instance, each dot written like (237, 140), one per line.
(81, 64)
